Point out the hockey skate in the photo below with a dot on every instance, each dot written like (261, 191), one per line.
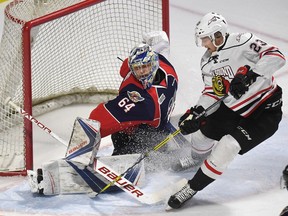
(179, 198)
(35, 180)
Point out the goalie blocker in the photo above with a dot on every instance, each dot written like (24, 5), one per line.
(81, 171)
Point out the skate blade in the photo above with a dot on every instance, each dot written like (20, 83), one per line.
(168, 208)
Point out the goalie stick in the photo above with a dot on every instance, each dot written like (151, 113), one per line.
(42, 126)
(158, 146)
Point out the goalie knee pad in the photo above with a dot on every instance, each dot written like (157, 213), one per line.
(221, 156)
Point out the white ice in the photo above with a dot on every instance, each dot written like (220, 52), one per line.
(251, 184)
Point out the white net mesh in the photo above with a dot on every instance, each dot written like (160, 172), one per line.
(72, 54)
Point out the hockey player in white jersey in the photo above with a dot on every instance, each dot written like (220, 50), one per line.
(239, 67)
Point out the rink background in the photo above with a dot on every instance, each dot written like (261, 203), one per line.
(251, 184)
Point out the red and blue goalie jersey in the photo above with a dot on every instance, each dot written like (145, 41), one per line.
(135, 105)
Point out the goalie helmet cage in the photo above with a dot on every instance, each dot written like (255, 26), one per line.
(53, 49)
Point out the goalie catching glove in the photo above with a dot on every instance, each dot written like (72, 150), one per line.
(241, 81)
(192, 120)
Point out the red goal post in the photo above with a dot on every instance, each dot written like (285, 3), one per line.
(54, 53)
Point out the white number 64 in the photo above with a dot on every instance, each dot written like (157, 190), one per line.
(124, 103)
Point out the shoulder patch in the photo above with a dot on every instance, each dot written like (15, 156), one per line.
(135, 96)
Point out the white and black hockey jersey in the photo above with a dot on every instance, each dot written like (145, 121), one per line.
(239, 50)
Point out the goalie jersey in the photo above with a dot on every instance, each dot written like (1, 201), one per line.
(135, 105)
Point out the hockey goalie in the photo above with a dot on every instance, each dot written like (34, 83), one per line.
(140, 111)
(81, 171)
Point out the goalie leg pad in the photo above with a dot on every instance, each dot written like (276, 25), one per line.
(84, 142)
(60, 178)
(34, 181)
(69, 177)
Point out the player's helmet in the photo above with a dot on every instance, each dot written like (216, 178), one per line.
(144, 63)
(210, 24)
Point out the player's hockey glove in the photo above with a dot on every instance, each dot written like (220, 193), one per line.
(191, 121)
(241, 81)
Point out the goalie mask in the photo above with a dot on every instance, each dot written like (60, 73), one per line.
(211, 26)
(144, 63)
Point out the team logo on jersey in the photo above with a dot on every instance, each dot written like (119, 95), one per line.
(220, 85)
(135, 96)
(225, 71)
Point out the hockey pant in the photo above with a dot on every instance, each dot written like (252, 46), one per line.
(236, 135)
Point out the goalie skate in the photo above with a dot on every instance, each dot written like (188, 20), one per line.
(192, 161)
(35, 181)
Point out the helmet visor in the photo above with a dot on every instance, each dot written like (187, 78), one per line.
(203, 40)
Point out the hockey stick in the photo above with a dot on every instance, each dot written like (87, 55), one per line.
(152, 198)
(35, 121)
(180, 138)
(135, 192)
(142, 156)
(165, 141)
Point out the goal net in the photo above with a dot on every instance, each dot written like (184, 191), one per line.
(54, 53)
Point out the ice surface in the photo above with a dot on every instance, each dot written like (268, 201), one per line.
(251, 184)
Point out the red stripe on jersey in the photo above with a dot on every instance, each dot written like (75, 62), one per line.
(268, 52)
(153, 93)
(211, 168)
(248, 99)
(265, 51)
(207, 88)
(212, 96)
(275, 54)
(109, 124)
(124, 70)
(260, 103)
